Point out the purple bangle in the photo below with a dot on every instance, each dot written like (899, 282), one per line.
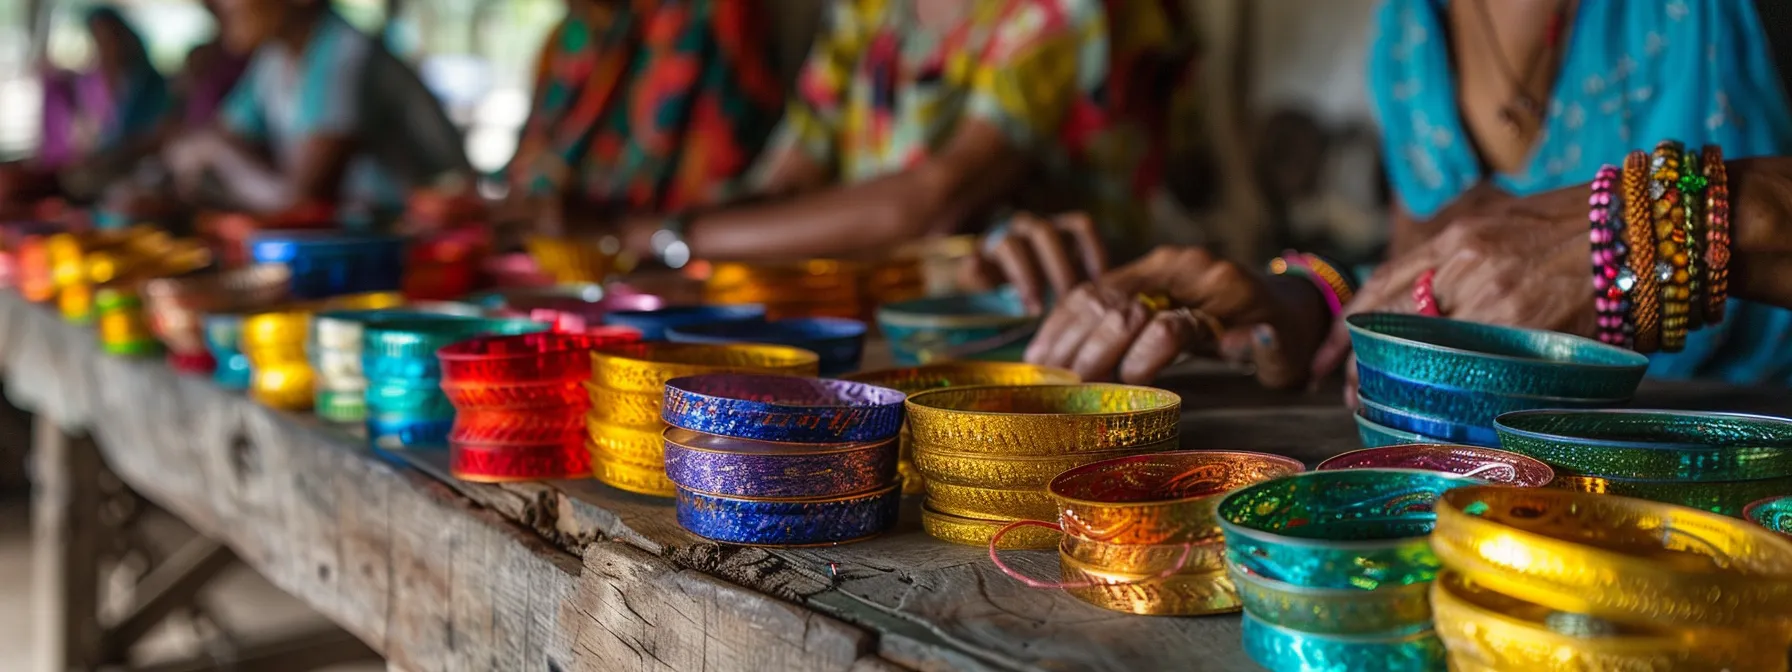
(786, 409)
(731, 467)
(1332, 300)
(1605, 226)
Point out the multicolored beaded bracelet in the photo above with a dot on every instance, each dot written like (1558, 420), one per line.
(1692, 198)
(1717, 234)
(1672, 256)
(1332, 283)
(1644, 316)
(1603, 232)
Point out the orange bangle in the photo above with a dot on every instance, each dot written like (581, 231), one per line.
(1639, 234)
(1717, 234)
(1669, 218)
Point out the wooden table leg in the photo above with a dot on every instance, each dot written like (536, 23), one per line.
(65, 529)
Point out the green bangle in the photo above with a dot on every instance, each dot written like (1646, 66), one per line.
(1653, 445)
(421, 337)
(1284, 650)
(1334, 611)
(1352, 529)
(335, 406)
(1721, 497)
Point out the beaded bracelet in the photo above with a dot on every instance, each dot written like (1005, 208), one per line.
(1603, 234)
(1717, 234)
(1668, 217)
(1692, 199)
(1645, 312)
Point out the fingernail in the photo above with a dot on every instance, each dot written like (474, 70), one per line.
(1264, 335)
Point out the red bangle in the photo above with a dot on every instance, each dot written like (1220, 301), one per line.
(1717, 234)
(1604, 227)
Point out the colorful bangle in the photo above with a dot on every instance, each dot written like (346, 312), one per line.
(1668, 216)
(1332, 285)
(783, 409)
(1722, 497)
(1357, 528)
(1692, 198)
(984, 470)
(633, 410)
(1603, 232)
(734, 467)
(1190, 593)
(977, 532)
(1043, 419)
(1333, 611)
(628, 476)
(645, 367)
(1146, 559)
(1717, 234)
(1677, 446)
(1773, 513)
(791, 522)
(991, 503)
(1643, 281)
(1161, 498)
(504, 463)
(1281, 649)
(1488, 464)
(1497, 632)
(1605, 556)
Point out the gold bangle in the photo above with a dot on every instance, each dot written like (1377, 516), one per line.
(276, 330)
(1330, 276)
(913, 483)
(628, 477)
(289, 386)
(635, 410)
(638, 447)
(983, 470)
(990, 504)
(1160, 498)
(978, 531)
(1193, 594)
(1043, 419)
(1333, 611)
(645, 367)
(1146, 559)
(915, 379)
(1629, 560)
(1491, 631)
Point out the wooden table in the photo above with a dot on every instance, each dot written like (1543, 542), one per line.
(436, 574)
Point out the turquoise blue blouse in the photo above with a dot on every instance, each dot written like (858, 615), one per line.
(1634, 72)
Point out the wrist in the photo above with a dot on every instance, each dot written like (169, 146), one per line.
(1761, 205)
(1306, 317)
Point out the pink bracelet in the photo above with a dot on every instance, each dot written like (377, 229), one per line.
(1605, 221)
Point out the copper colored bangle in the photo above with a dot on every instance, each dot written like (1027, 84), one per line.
(1717, 234)
(1639, 234)
(1669, 219)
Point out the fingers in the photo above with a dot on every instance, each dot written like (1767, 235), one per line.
(1097, 355)
(1165, 337)
(1091, 251)
(1275, 369)
(1062, 333)
(1048, 251)
(1015, 259)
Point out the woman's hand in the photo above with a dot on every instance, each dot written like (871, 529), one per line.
(1274, 322)
(1525, 262)
(1038, 255)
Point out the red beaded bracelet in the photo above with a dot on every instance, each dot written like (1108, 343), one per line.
(1717, 233)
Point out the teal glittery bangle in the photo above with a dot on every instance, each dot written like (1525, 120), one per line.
(1488, 358)
(1361, 528)
(1653, 445)
(421, 337)
(1773, 513)
(1284, 650)
(1721, 497)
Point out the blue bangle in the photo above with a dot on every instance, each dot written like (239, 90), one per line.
(1465, 406)
(1449, 432)
(396, 433)
(785, 409)
(408, 399)
(233, 371)
(789, 522)
(1324, 530)
(1284, 650)
(838, 341)
(732, 467)
(653, 323)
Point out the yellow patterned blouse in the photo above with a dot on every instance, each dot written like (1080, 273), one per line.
(1068, 88)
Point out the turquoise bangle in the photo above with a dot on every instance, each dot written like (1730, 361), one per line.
(410, 399)
(1653, 445)
(1773, 513)
(419, 337)
(1357, 528)
(1284, 650)
(1488, 358)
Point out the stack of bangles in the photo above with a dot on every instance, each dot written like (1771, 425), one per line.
(1550, 579)
(1660, 235)
(782, 460)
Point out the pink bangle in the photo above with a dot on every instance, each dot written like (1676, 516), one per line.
(1294, 260)
(1604, 227)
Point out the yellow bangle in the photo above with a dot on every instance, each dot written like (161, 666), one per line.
(990, 504)
(1043, 419)
(639, 447)
(983, 470)
(276, 330)
(977, 531)
(1161, 498)
(1628, 560)
(287, 385)
(915, 379)
(628, 477)
(1205, 591)
(635, 410)
(1483, 629)
(645, 367)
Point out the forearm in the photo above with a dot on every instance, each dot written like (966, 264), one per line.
(1761, 230)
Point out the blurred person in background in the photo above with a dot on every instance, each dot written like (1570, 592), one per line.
(324, 116)
(645, 106)
(1494, 116)
(96, 123)
(927, 117)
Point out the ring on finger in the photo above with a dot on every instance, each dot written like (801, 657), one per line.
(1215, 328)
(1424, 293)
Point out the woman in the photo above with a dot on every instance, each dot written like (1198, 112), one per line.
(97, 123)
(919, 117)
(1480, 101)
(647, 105)
(323, 115)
